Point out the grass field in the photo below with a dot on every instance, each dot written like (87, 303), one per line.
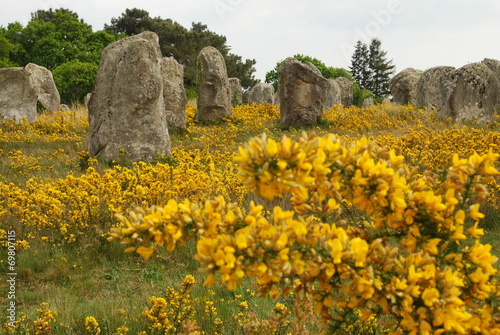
(61, 204)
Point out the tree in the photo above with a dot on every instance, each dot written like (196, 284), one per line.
(74, 80)
(381, 68)
(5, 50)
(54, 38)
(360, 65)
(184, 44)
(236, 68)
(132, 22)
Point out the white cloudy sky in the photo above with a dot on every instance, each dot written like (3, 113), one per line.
(415, 33)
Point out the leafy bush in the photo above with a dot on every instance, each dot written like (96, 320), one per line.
(367, 234)
(74, 80)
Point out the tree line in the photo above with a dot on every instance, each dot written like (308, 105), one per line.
(62, 42)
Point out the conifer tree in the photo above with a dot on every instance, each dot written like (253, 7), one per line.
(381, 68)
(360, 65)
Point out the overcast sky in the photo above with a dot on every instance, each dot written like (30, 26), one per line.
(415, 33)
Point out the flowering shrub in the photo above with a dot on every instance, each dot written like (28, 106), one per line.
(412, 250)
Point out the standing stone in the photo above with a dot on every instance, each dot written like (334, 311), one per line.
(494, 66)
(302, 92)
(214, 93)
(174, 94)
(261, 93)
(368, 102)
(236, 91)
(432, 89)
(346, 91)
(126, 109)
(17, 95)
(404, 87)
(48, 95)
(333, 94)
(472, 93)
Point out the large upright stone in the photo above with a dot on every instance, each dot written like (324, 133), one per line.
(236, 91)
(333, 94)
(302, 93)
(214, 92)
(174, 94)
(126, 109)
(17, 95)
(474, 91)
(403, 87)
(433, 87)
(48, 95)
(261, 93)
(346, 91)
(494, 66)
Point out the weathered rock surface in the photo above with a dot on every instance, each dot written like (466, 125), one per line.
(126, 109)
(261, 93)
(214, 92)
(174, 95)
(17, 95)
(403, 87)
(236, 91)
(346, 91)
(494, 66)
(43, 81)
(433, 87)
(472, 93)
(333, 94)
(302, 93)
(368, 102)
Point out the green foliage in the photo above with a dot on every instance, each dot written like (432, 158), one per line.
(382, 70)
(184, 44)
(5, 49)
(131, 22)
(75, 79)
(360, 65)
(360, 94)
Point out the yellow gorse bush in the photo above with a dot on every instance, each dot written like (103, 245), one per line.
(412, 251)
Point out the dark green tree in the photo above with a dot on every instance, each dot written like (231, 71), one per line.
(54, 37)
(184, 44)
(74, 79)
(5, 49)
(62, 42)
(132, 22)
(237, 68)
(360, 65)
(382, 70)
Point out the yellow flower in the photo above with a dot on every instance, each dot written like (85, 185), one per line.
(430, 296)
(359, 249)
